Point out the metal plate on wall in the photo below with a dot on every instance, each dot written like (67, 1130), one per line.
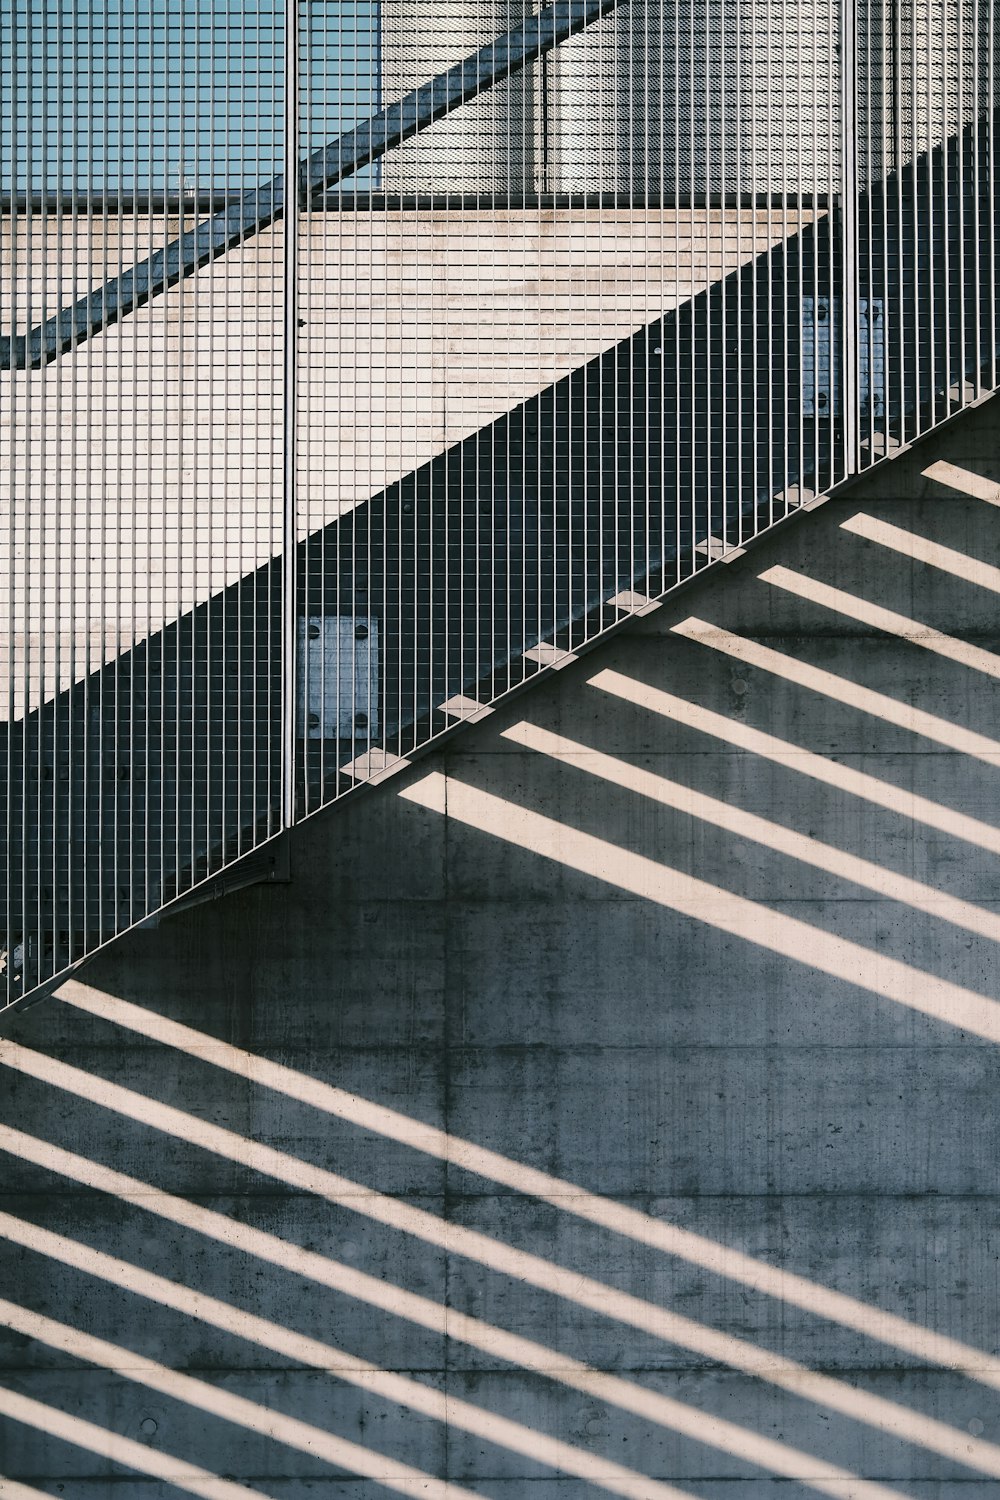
(337, 696)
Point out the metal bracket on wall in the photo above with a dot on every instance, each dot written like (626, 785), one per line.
(871, 357)
(337, 693)
(270, 864)
(820, 356)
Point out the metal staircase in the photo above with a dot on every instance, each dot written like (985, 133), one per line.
(326, 667)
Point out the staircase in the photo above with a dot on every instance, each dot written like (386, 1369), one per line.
(168, 772)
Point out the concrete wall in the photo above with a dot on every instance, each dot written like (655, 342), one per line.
(723, 1007)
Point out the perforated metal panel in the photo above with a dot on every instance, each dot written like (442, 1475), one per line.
(489, 145)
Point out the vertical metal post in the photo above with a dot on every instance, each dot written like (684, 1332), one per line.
(289, 510)
(849, 227)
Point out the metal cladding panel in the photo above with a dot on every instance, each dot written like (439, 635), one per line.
(577, 299)
(658, 97)
(923, 252)
(488, 145)
(535, 379)
(675, 99)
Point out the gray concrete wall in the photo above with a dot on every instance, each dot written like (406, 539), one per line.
(738, 1079)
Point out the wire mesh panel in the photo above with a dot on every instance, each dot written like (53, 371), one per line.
(576, 297)
(925, 252)
(574, 341)
(140, 464)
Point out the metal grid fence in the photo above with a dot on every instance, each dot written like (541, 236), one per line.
(578, 298)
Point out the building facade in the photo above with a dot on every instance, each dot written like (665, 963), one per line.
(602, 1105)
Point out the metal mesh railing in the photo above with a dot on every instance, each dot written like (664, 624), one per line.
(579, 297)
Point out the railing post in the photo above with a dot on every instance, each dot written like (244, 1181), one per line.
(289, 608)
(849, 229)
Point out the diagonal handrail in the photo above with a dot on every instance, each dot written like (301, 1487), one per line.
(262, 206)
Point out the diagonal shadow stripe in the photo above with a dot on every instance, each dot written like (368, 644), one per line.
(608, 479)
(330, 164)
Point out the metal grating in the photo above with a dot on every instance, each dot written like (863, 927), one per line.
(579, 298)
(141, 472)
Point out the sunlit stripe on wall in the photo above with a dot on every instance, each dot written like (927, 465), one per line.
(722, 1260)
(886, 883)
(310, 1352)
(216, 1401)
(964, 481)
(797, 759)
(13, 1489)
(853, 607)
(629, 1396)
(758, 925)
(923, 549)
(841, 689)
(66, 1428)
(649, 1318)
